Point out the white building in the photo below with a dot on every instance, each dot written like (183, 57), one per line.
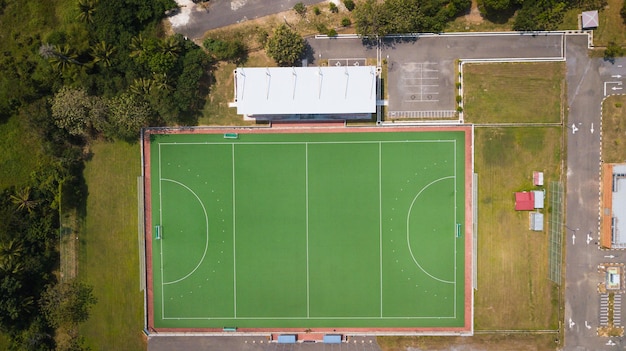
(285, 91)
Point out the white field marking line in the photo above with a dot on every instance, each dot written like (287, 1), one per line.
(206, 221)
(234, 241)
(315, 142)
(418, 78)
(454, 234)
(420, 85)
(306, 204)
(161, 241)
(295, 318)
(380, 224)
(408, 216)
(310, 318)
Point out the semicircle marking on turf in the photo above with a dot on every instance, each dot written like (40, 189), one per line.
(408, 231)
(206, 219)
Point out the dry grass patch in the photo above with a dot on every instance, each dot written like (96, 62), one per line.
(483, 342)
(254, 32)
(216, 110)
(614, 129)
(514, 92)
(514, 291)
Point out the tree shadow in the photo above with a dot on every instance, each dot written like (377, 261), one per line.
(500, 17)
(308, 54)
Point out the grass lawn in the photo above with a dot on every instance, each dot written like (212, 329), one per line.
(614, 129)
(108, 256)
(483, 342)
(513, 92)
(612, 27)
(513, 287)
(20, 152)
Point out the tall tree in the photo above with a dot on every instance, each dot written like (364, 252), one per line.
(103, 53)
(128, 114)
(285, 46)
(23, 201)
(70, 110)
(86, 8)
(67, 303)
(371, 19)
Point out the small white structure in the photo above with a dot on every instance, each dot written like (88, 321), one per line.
(536, 221)
(538, 178)
(589, 20)
(305, 90)
(539, 198)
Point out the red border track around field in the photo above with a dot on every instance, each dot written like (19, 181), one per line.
(326, 127)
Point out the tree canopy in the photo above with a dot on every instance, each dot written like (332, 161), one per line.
(373, 18)
(285, 46)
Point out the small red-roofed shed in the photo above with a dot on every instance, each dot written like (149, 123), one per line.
(524, 201)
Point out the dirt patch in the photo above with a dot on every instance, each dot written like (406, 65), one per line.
(474, 16)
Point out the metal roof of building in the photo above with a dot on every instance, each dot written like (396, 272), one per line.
(590, 19)
(536, 221)
(619, 205)
(305, 90)
(524, 201)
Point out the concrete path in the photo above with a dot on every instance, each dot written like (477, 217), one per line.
(248, 343)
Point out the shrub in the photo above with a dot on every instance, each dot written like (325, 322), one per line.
(349, 4)
(332, 32)
(333, 8)
(225, 50)
(345, 22)
(622, 12)
(321, 28)
(316, 11)
(459, 98)
(300, 9)
(612, 51)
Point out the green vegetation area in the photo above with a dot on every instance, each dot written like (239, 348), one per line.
(614, 129)
(513, 287)
(612, 26)
(514, 291)
(21, 152)
(109, 257)
(514, 92)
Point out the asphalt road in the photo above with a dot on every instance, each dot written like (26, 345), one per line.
(586, 78)
(221, 13)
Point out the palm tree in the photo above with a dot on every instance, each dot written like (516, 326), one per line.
(103, 52)
(170, 46)
(22, 200)
(60, 57)
(141, 86)
(10, 254)
(160, 82)
(136, 46)
(87, 9)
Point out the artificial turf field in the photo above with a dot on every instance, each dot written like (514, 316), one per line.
(307, 230)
